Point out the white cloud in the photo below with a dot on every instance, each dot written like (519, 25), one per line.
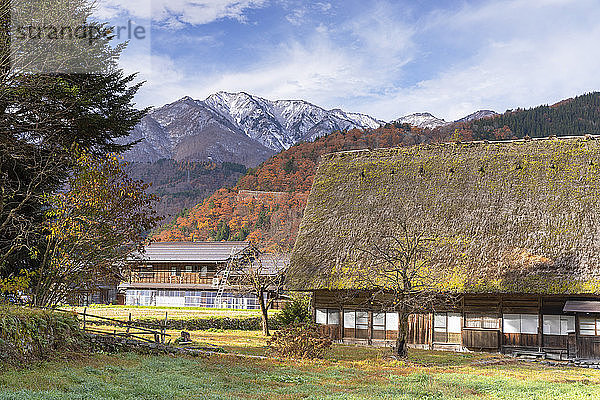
(177, 13)
(315, 68)
(296, 17)
(296, 71)
(531, 64)
(509, 54)
(380, 31)
(164, 80)
(111, 9)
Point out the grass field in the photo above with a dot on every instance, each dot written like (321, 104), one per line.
(122, 312)
(347, 373)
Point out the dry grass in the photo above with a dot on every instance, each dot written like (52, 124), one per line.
(361, 374)
(347, 372)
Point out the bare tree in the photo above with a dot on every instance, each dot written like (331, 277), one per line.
(263, 275)
(401, 277)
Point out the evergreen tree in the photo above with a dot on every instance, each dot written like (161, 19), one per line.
(44, 115)
(573, 117)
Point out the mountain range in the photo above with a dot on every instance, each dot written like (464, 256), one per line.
(234, 127)
(246, 129)
(266, 204)
(190, 148)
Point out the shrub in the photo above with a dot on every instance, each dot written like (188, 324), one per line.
(296, 311)
(32, 334)
(299, 341)
(202, 323)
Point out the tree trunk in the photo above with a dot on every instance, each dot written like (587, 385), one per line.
(264, 315)
(401, 345)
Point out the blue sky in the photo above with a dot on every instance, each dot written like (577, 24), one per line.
(383, 58)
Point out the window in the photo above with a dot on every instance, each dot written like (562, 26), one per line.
(356, 324)
(333, 317)
(199, 298)
(383, 322)
(349, 320)
(175, 298)
(362, 324)
(384, 325)
(391, 322)
(521, 323)
(378, 325)
(189, 268)
(589, 326)
(481, 321)
(379, 321)
(140, 297)
(447, 327)
(327, 316)
(558, 324)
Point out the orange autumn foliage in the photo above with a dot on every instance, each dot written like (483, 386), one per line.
(267, 204)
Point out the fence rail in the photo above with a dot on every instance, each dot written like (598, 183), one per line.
(133, 329)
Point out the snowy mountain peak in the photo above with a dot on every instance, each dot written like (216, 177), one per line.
(184, 99)
(478, 115)
(421, 120)
(236, 127)
(278, 124)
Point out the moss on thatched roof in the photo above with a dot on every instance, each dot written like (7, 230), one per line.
(521, 216)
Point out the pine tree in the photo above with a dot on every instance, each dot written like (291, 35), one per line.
(43, 117)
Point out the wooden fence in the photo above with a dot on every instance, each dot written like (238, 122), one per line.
(133, 329)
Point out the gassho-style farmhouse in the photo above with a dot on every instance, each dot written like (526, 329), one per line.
(516, 228)
(193, 274)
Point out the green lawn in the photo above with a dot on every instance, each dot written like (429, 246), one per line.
(347, 373)
(122, 312)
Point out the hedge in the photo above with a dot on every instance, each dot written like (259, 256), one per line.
(205, 323)
(32, 334)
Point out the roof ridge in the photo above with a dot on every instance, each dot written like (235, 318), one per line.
(473, 142)
(230, 242)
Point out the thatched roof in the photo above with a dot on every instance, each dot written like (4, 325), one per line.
(519, 216)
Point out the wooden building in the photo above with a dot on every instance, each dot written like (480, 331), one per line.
(556, 327)
(516, 228)
(187, 274)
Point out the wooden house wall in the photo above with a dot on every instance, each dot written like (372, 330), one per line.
(480, 339)
(341, 301)
(421, 330)
(588, 347)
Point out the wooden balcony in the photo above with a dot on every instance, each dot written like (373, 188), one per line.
(187, 278)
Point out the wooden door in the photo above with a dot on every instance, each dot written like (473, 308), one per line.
(588, 347)
(572, 345)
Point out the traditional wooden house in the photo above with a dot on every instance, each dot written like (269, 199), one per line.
(187, 274)
(517, 241)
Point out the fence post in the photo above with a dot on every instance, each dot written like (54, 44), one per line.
(164, 328)
(84, 309)
(128, 326)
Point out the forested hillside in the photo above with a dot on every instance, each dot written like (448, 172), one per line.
(266, 205)
(182, 184)
(577, 116)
